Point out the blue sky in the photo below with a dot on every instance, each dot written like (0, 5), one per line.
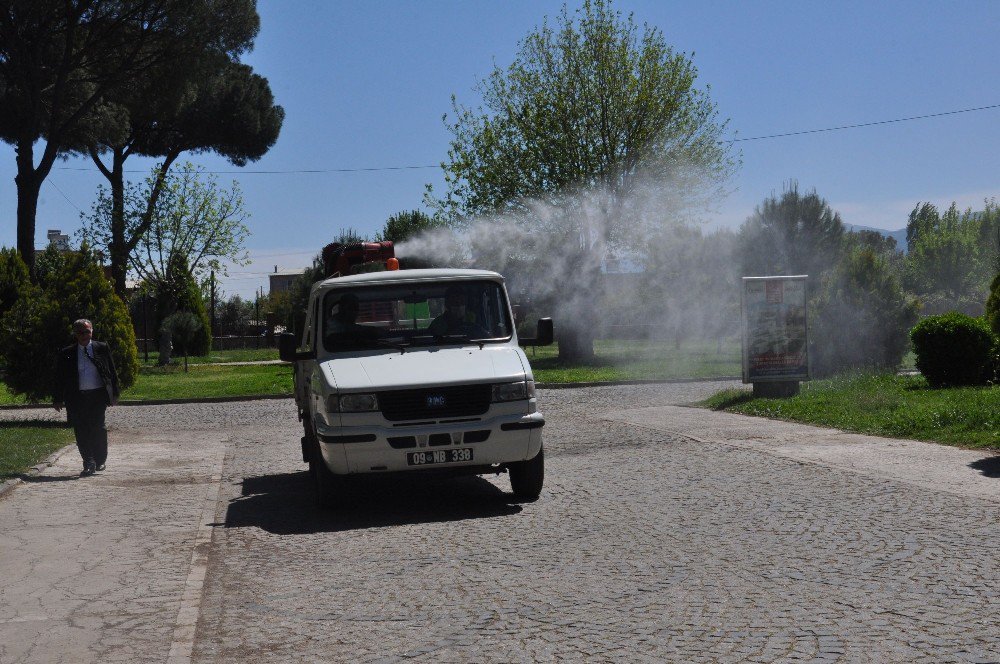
(364, 85)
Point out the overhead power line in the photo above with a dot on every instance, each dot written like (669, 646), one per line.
(64, 196)
(375, 169)
(288, 172)
(862, 124)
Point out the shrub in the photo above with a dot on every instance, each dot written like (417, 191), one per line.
(954, 349)
(41, 322)
(13, 278)
(860, 317)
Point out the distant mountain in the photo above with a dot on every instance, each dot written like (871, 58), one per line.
(899, 236)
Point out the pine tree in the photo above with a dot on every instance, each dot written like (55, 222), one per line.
(41, 322)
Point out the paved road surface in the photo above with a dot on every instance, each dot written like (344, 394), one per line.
(663, 534)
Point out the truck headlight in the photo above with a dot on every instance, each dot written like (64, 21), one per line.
(351, 403)
(523, 389)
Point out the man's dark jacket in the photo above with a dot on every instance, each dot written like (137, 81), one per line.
(67, 385)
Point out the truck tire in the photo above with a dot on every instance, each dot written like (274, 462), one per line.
(308, 438)
(328, 487)
(527, 477)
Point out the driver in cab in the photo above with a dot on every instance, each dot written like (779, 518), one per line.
(456, 320)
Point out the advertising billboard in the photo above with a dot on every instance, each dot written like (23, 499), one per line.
(775, 339)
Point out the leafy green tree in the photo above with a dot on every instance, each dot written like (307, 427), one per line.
(882, 245)
(13, 278)
(794, 234)
(205, 102)
(594, 102)
(183, 327)
(176, 292)
(40, 323)
(233, 316)
(60, 63)
(292, 309)
(49, 262)
(947, 265)
(404, 225)
(688, 287)
(993, 306)
(923, 218)
(588, 102)
(193, 217)
(861, 317)
(989, 237)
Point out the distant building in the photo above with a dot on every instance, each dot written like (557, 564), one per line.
(58, 240)
(280, 282)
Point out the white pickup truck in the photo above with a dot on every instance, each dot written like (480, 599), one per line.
(416, 371)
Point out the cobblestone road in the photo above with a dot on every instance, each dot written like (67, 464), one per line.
(646, 545)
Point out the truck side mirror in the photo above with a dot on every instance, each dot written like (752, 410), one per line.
(287, 346)
(543, 336)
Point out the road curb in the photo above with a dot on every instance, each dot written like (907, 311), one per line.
(612, 383)
(8, 485)
(257, 397)
(159, 402)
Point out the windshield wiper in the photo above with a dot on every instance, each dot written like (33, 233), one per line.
(398, 345)
(459, 338)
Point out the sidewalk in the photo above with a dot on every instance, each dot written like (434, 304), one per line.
(929, 465)
(96, 569)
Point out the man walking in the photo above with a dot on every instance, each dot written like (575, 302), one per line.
(87, 384)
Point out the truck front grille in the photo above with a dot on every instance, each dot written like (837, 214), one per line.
(435, 403)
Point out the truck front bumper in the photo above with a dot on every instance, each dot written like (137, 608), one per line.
(380, 449)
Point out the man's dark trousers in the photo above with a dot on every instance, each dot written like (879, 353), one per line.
(86, 414)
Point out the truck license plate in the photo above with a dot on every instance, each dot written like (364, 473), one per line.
(438, 456)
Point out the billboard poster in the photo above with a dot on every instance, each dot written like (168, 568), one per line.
(775, 342)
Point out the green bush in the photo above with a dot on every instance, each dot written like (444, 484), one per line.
(13, 278)
(954, 349)
(41, 322)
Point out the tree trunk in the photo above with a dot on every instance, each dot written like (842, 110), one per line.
(165, 306)
(165, 347)
(576, 344)
(118, 248)
(28, 183)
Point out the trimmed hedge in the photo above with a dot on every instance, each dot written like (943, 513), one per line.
(954, 349)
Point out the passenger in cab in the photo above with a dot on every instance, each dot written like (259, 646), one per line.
(456, 319)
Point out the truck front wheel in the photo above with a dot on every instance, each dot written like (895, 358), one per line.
(526, 477)
(329, 487)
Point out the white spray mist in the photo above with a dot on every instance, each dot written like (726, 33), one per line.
(560, 256)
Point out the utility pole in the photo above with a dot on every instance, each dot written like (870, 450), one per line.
(145, 330)
(211, 320)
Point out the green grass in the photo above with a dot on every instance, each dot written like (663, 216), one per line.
(204, 381)
(638, 360)
(200, 382)
(237, 355)
(23, 444)
(883, 405)
(614, 360)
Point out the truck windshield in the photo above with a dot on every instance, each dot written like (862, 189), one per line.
(400, 315)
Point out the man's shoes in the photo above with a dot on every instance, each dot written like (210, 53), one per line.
(100, 466)
(89, 468)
